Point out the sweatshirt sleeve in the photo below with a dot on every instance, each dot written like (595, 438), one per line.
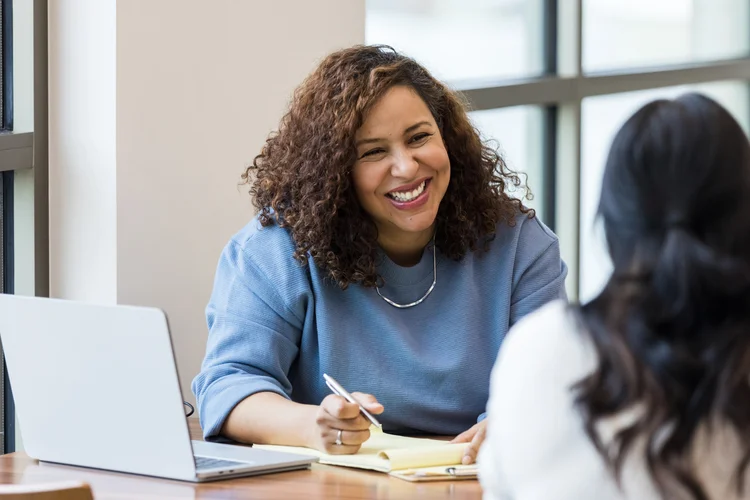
(253, 339)
(540, 275)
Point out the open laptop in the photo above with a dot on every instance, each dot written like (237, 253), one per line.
(97, 386)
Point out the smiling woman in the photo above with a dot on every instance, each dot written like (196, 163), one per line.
(412, 262)
(398, 143)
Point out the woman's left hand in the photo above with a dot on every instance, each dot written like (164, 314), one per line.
(475, 437)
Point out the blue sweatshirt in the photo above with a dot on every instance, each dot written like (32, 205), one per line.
(277, 326)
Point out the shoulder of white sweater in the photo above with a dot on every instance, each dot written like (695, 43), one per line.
(547, 345)
(534, 424)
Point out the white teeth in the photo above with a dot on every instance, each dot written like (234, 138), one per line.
(408, 195)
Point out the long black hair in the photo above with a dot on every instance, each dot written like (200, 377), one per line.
(672, 325)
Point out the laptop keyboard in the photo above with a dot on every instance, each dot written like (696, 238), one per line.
(203, 463)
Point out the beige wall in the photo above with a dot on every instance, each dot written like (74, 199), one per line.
(156, 106)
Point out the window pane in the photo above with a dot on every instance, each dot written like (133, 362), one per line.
(490, 40)
(621, 34)
(517, 134)
(601, 118)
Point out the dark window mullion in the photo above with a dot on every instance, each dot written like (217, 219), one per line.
(549, 165)
(6, 52)
(549, 115)
(6, 205)
(9, 413)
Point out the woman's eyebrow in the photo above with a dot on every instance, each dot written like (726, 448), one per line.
(411, 128)
(368, 141)
(416, 126)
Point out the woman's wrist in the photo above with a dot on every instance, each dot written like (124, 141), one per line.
(310, 427)
(268, 418)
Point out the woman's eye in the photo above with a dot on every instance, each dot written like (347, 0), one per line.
(372, 152)
(420, 137)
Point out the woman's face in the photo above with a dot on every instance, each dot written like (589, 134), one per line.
(402, 169)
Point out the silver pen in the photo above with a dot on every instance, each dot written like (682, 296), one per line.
(340, 391)
(465, 471)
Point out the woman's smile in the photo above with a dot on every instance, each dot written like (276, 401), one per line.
(408, 198)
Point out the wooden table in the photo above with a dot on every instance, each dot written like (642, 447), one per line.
(321, 482)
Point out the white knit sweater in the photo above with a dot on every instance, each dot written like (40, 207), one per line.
(536, 446)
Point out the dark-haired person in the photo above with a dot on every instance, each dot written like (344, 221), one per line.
(644, 392)
(386, 254)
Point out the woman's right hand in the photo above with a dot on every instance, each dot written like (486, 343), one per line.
(337, 414)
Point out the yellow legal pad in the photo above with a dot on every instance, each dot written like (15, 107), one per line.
(412, 459)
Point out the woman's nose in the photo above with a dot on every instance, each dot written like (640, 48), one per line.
(404, 165)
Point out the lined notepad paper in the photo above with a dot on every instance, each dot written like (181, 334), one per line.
(399, 456)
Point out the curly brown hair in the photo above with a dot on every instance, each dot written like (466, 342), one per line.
(301, 180)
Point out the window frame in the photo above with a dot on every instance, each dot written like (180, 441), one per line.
(560, 90)
(24, 170)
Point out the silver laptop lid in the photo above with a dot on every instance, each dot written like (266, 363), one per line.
(96, 386)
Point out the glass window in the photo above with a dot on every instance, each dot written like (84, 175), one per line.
(482, 40)
(517, 133)
(621, 34)
(601, 118)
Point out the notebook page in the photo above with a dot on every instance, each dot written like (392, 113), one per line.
(418, 456)
(386, 452)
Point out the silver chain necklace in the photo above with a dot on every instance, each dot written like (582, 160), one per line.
(429, 290)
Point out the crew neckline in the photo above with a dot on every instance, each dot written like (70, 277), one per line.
(394, 274)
